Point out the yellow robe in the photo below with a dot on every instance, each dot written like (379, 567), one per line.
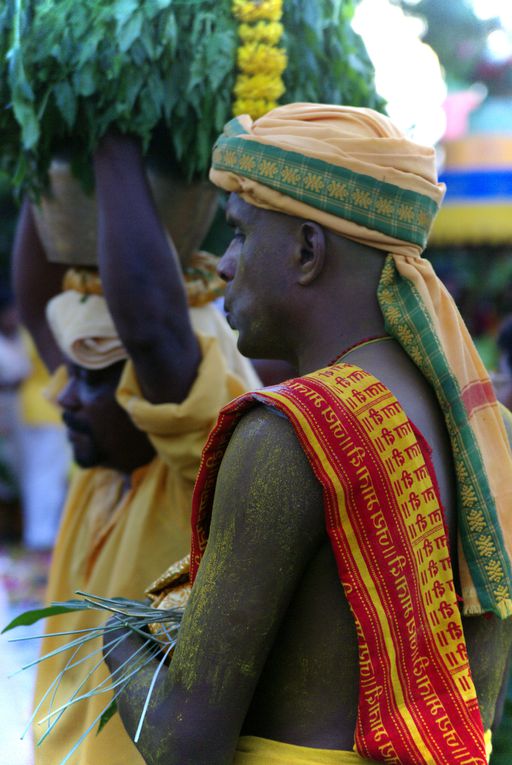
(114, 543)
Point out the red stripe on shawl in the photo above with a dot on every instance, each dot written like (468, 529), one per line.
(358, 595)
(478, 394)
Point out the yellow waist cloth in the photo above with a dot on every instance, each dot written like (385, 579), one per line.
(253, 750)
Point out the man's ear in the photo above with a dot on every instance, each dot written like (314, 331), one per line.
(311, 246)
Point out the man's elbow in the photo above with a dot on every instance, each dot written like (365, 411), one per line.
(196, 742)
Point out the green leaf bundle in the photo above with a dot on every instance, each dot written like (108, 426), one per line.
(162, 70)
(327, 60)
(77, 69)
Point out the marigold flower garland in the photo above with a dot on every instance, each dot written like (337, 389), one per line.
(260, 61)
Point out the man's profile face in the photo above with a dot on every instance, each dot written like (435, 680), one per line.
(254, 267)
(99, 430)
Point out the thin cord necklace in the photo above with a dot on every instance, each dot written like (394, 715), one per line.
(359, 344)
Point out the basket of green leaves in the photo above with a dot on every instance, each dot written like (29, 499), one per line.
(164, 71)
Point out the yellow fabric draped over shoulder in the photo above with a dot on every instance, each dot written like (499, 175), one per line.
(354, 172)
(113, 541)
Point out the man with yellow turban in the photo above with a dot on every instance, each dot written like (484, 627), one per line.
(351, 548)
(148, 363)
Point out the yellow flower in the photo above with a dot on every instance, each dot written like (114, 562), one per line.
(393, 314)
(386, 295)
(258, 58)
(254, 10)
(259, 86)
(290, 175)
(423, 219)
(247, 164)
(253, 107)
(387, 276)
(314, 182)
(268, 32)
(468, 495)
(230, 157)
(405, 336)
(417, 357)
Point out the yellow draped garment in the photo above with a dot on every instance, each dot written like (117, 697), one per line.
(114, 542)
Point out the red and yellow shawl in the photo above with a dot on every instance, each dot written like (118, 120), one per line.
(417, 701)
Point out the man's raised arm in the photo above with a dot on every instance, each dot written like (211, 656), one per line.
(35, 282)
(141, 275)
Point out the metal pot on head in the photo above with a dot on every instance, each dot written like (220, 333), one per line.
(66, 216)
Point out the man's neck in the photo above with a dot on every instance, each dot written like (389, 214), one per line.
(325, 349)
(131, 463)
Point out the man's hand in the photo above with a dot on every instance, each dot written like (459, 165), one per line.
(123, 649)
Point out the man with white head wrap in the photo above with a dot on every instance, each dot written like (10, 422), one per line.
(147, 369)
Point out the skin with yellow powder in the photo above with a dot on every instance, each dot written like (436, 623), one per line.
(268, 644)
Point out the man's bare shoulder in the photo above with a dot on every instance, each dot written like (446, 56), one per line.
(265, 465)
(265, 425)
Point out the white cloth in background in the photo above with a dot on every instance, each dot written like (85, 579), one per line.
(45, 458)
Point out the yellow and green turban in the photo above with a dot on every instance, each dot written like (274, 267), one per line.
(351, 170)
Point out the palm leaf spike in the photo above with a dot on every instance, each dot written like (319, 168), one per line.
(73, 698)
(121, 687)
(32, 717)
(111, 704)
(56, 683)
(49, 634)
(90, 728)
(94, 633)
(150, 692)
(105, 685)
(77, 642)
(55, 687)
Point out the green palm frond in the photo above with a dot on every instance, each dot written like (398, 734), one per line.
(129, 616)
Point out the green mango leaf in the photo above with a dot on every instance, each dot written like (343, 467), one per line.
(31, 617)
(29, 124)
(84, 80)
(123, 9)
(130, 31)
(170, 33)
(65, 99)
(107, 715)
